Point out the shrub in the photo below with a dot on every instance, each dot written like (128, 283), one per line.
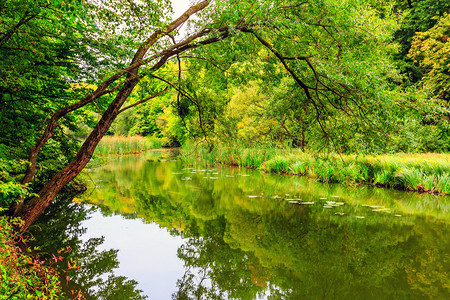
(24, 276)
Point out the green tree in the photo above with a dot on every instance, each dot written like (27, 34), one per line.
(417, 16)
(431, 51)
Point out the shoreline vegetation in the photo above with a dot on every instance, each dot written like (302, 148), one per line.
(421, 172)
(120, 145)
(24, 274)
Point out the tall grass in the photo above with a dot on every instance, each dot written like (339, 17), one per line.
(110, 145)
(427, 172)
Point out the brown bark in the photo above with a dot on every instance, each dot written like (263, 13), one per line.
(32, 159)
(37, 205)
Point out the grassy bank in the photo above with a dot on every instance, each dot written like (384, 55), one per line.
(429, 172)
(110, 145)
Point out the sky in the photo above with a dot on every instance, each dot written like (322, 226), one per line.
(180, 6)
(147, 252)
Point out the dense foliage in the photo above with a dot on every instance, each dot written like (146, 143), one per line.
(364, 98)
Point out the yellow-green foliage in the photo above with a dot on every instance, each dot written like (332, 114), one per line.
(23, 276)
(245, 110)
(126, 145)
(431, 50)
(415, 172)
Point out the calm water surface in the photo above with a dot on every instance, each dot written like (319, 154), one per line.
(195, 233)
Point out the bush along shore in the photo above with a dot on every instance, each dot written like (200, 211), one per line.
(426, 172)
(24, 275)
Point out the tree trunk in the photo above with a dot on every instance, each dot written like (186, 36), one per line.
(32, 209)
(37, 205)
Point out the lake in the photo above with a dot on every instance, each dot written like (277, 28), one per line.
(150, 226)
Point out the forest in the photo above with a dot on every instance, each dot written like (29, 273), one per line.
(341, 90)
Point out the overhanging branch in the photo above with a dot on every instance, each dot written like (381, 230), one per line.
(144, 100)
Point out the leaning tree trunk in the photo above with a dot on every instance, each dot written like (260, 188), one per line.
(37, 205)
(32, 209)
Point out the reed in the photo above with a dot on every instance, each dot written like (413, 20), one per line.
(120, 145)
(425, 172)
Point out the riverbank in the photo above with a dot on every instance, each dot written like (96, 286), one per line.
(426, 172)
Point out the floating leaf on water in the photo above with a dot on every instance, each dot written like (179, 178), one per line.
(177, 173)
(327, 206)
(254, 196)
(294, 202)
(339, 213)
(293, 199)
(387, 210)
(376, 206)
(398, 215)
(213, 177)
(323, 198)
(307, 203)
(359, 217)
(330, 202)
(339, 203)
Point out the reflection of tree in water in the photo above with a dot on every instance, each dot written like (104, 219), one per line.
(327, 261)
(190, 287)
(59, 227)
(244, 247)
(213, 269)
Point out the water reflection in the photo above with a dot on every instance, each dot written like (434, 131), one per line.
(59, 232)
(249, 235)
